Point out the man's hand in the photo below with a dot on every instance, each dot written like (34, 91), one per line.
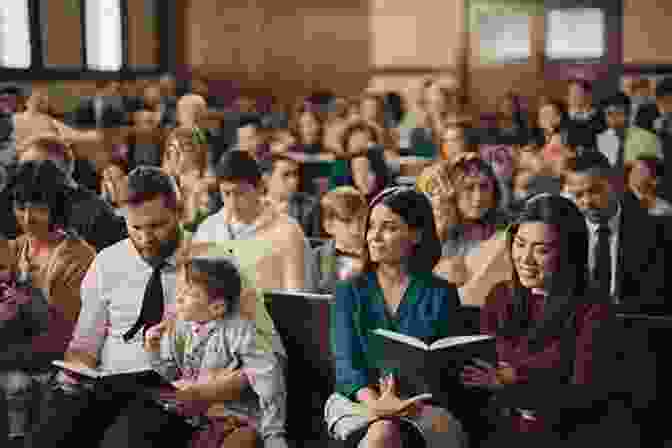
(154, 334)
(187, 391)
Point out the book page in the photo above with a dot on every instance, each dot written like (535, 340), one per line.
(80, 369)
(126, 372)
(458, 340)
(409, 340)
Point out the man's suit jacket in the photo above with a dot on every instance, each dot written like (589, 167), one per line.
(589, 128)
(646, 115)
(640, 268)
(638, 142)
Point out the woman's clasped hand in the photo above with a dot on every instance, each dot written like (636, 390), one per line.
(388, 403)
(485, 375)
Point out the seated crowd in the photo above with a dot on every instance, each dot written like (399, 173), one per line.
(113, 256)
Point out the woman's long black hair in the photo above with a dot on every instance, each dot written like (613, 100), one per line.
(415, 210)
(569, 285)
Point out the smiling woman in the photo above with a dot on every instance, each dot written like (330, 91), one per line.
(396, 291)
(549, 328)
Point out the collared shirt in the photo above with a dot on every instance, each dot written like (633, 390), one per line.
(112, 294)
(426, 311)
(582, 115)
(614, 225)
(638, 142)
(98, 105)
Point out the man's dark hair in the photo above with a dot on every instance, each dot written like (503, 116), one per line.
(250, 119)
(654, 163)
(576, 136)
(11, 89)
(41, 182)
(664, 87)
(620, 101)
(146, 183)
(238, 166)
(593, 163)
(583, 83)
(267, 166)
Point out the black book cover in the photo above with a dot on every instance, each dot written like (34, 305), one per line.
(140, 379)
(421, 368)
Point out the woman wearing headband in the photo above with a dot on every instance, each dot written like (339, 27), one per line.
(396, 291)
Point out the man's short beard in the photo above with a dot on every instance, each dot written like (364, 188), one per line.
(166, 249)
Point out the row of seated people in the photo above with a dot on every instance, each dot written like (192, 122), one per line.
(240, 183)
(158, 239)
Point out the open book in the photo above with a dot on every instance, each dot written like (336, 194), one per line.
(134, 378)
(428, 368)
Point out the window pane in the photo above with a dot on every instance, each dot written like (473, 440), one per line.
(61, 33)
(143, 33)
(103, 34)
(575, 33)
(504, 37)
(14, 34)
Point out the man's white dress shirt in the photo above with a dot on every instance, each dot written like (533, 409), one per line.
(614, 225)
(112, 294)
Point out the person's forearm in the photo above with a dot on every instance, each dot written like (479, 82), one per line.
(78, 356)
(228, 386)
(366, 395)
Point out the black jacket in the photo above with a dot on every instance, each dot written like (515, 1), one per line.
(93, 219)
(640, 269)
(114, 113)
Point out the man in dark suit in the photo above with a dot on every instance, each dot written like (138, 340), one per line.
(582, 114)
(663, 127)
(626, 246)
(644, 109)
(105, 109)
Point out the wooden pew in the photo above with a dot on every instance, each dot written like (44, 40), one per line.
(303, 322)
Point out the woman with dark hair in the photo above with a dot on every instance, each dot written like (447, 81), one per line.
(362, 162)
(309, 128)
(548, 323)
(396, 291)
(49, 257)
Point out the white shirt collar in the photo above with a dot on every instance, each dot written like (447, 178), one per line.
(612, 223)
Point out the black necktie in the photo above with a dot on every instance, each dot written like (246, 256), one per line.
(151, 312)
(602, 269)
(621, 150)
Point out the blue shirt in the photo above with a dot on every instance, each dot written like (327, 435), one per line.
(427, 311)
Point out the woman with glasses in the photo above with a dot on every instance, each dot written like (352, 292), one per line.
(396, 291)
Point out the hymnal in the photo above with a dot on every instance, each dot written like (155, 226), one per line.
(428, 368)
(145, 378)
